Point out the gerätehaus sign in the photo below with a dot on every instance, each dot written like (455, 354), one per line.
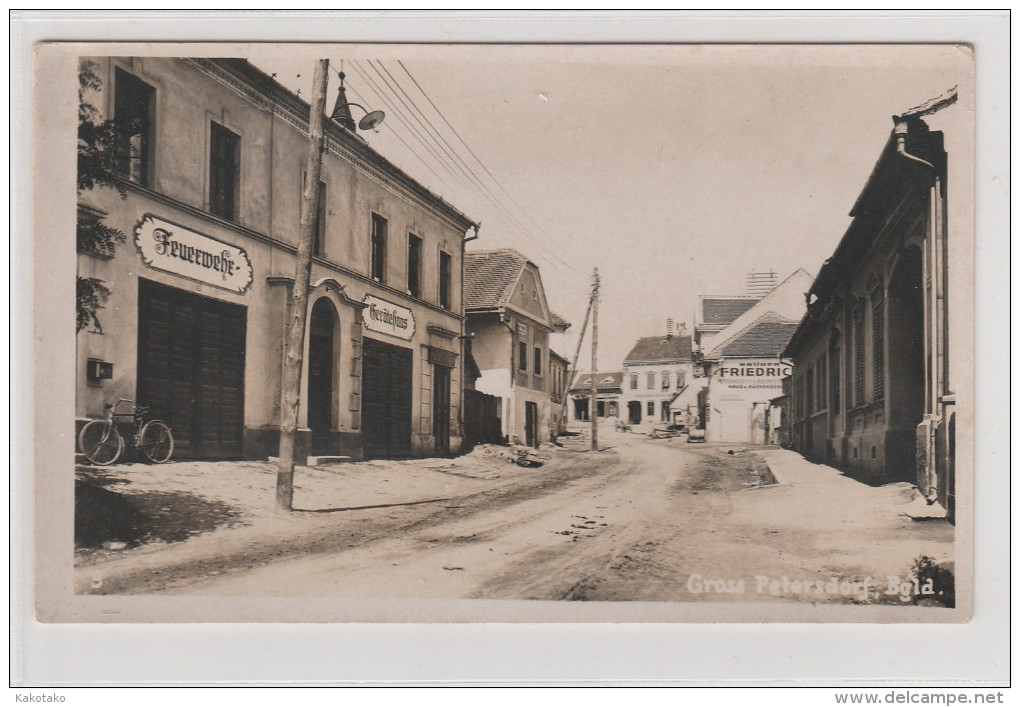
(387, 318)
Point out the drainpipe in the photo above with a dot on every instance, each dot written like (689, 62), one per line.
(463, 330)
(934, 362)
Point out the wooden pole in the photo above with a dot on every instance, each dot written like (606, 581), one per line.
(294, 359)
(594, 411)
(572, 371)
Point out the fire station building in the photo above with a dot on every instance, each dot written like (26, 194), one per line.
(211, 155)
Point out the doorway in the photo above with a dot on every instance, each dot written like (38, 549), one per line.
(634, 412)
(441, 408)
(531, 424)
(320, 375)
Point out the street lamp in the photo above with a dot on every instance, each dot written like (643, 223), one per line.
(342, 114)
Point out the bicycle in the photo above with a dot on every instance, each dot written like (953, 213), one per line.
(102, 442)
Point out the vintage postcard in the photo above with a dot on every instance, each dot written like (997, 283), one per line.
(516, 333)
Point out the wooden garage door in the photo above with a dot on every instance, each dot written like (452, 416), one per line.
(191, 352)
(386, 399)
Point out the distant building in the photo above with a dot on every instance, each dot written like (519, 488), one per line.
(608, 389)
(558, 370)
(742, 364)
(509, 322)
(873, 390)
(655, 370)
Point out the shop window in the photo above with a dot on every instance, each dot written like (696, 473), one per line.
(445, 280)
(224, 171)
(522, 363)
(878, 341)
(538, 361)
(378, 271)
(650, 381)
(651, 408)
(413, 265)
(665, 380)
(633, 381)
(133, 108)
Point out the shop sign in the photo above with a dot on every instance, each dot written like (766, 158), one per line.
(753, 374)
(174, 249)
(442, 357)
(388, 318)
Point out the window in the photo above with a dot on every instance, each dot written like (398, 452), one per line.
(651, 408)
(820, 383)
(810, 394)
(413, 265)
(680, 378)
(445, 280)
(378, 271)
(858, 316)
(319, 235)
(133, 126)
(664, 413)
(834, 372)
(633, 381)
(665, 380)
(878, 340)
(538, 361)
(224, 171)
(522, 364)
(650, 381)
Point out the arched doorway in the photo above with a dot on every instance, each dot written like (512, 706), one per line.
(321, 364)
(906, 361)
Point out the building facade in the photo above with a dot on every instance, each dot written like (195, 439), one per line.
(509, 322)
(210, 153)
(654, 371)
(607, 393)
(742, 362)
(873, 391)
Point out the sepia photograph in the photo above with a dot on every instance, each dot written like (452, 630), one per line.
(562, 333)
(645, 324)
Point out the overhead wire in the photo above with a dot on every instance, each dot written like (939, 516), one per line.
(473, 180)
(493, 177)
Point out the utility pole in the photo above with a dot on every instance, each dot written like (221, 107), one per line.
(294, 360)
(594, 364)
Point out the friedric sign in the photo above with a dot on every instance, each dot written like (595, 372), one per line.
(753, 374)
(388, 318)
(174, 249)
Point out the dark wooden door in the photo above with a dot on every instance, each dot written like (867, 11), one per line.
(191, 356)
(441, 408)
(531, 424)
(386, 399)
(320, 376)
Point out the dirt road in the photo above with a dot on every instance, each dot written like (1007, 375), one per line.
(641, 520)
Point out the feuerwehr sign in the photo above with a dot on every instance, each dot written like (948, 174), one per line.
(388, 318)
(174, 249)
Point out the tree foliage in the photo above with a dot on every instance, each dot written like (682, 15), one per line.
(97, 141)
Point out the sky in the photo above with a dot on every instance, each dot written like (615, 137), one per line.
(675, 170)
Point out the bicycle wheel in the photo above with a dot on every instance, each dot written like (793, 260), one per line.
(100, 442)
(156, 441)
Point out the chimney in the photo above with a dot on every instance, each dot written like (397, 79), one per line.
(760, 284)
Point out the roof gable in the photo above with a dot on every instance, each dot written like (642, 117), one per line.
(490, 277)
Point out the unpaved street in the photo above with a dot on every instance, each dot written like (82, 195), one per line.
(643, 519)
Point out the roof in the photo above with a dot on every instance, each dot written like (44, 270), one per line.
(558, 321)
(766, 337)
(660, 348)
(606, 381)
(723, 310)
(556, 354)
(489, 277)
